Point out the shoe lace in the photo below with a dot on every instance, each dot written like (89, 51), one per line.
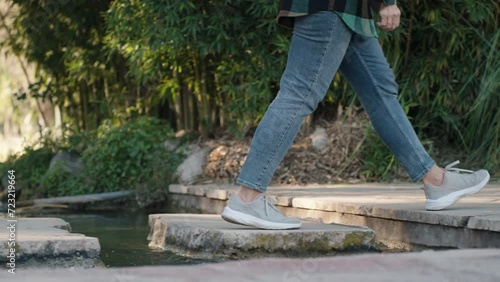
(269, 201)
(451, 167)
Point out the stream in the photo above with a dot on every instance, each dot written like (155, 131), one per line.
(123, 239)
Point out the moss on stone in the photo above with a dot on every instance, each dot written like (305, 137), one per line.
(265, 240)
(354, 239)
(320, 244)
(300, 248)
(18, 249)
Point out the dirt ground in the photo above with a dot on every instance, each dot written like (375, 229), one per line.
(339, 162)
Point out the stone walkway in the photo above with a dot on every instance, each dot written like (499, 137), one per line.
(429, 266)
(396, 212)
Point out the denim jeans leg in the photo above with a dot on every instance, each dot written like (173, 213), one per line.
(367, 70)
(318, 45)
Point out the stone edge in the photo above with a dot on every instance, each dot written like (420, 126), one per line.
(485, 222)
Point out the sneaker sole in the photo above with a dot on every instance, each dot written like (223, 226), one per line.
(446, 201)
(237, 217)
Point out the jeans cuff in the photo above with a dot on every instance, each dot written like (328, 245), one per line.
(251, 185)
(420, 176)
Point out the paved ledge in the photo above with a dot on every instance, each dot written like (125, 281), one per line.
(47, 242)
(209, 236)
(476, 218)
(457, 265)
(486, 222)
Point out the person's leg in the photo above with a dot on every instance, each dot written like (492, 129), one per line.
(317, 48)
(369, 74)
(367, 70)
(318, 45)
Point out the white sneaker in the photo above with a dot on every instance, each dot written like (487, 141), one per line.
(455, 186)
(260, 213)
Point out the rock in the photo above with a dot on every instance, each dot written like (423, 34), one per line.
(319, 139)
(70, 162)
(146, 198)
(171, 144)
(208, 236)
(188, 149)
(192, 167)
(180, 133)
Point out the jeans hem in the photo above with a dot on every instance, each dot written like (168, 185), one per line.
(251, 185)
(421, 175)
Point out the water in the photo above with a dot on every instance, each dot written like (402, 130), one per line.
(123, 239)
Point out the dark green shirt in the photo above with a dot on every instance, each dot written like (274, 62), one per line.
(357, 14)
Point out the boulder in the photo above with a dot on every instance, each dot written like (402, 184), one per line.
(192, 167)
(319, 139)
(171, 144)
(70, 162)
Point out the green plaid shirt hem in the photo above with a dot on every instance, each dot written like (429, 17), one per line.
(356, 14)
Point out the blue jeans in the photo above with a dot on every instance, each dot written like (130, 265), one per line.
(321, 45)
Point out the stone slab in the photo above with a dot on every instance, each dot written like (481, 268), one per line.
(46, 238)
(210, 236)
(396, 212)
(284, 201)
(430, 266)
(405, 202)
(212, 191)
(197, 190)
(457, 216)
(218, 194)
(390, 234)
(177, 189)
(485, 222)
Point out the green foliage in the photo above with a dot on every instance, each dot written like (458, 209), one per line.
(59, 182)
(482, 130)
(220, 61)
(122, 156)
(65, 41)
(446, 57)
(210, 65)
(378, 161)
(117, 158)
(30, 167)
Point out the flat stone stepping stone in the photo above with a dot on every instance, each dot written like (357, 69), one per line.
(47, 242)
(208, 236)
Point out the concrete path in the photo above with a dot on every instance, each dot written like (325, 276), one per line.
(453, 266)
(208, 236)
(395, 211)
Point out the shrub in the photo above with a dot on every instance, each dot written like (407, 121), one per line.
(116, 158)
(125, 155)
(30, 168)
